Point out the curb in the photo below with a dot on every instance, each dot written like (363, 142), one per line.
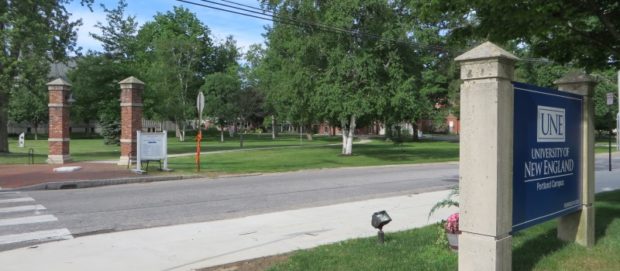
(77, 184)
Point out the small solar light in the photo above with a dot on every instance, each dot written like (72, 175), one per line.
(380, 219)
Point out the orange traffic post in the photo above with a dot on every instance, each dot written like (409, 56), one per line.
(198, 140)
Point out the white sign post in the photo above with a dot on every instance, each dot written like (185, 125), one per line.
(152, 147)
(22, 140)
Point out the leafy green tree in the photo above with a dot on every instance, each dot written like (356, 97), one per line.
(30, 31)
(605, 115)
(365, 69)
(29, 95)
(176, 50)
(221, 90)
(584, 32)
(118, 35)
(95, 79)
(96, 91)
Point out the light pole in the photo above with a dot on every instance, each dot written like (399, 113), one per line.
(618, 117)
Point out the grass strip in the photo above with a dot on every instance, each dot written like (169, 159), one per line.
(536, 248)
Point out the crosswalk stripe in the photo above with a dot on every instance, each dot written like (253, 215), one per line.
(27, 220)
(16, 200)
(59, 234)
(22, 208)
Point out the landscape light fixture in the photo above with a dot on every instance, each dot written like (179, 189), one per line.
(380, 219)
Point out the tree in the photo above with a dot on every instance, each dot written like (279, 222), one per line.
(176, 52)
(586, 32)
(95, 79)
(118, 37)
(96, 91)
(29, 94)
(255, 76)
(221, 90)
(36, 29)
(354, 62)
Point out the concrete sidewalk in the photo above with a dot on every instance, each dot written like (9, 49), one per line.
(192, 246)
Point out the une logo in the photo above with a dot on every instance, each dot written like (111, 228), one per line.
(551, 124)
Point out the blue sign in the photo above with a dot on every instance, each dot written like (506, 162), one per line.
(547, 154)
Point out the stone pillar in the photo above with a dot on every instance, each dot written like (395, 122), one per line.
(131, 117)
(58, 139)
(486, 140)
(579, 226)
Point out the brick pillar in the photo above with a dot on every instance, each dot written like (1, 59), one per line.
(58, 139)
(131, 117)
(579, 226)
(487, 104)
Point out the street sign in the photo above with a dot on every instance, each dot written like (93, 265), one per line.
(200, 104)
(547, 154)
(610, 98)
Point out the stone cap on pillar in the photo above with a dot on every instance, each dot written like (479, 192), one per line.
(59, 82)
(485, 51)
(131, 81)
(486, 61)
(577, 82)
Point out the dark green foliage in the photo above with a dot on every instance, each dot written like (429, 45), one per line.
(586, 33)
(31, 33)
(110, 129)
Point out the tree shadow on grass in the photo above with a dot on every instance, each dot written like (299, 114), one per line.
(606, 212)
(532, 251)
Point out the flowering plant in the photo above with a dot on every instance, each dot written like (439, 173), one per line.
(452, 224)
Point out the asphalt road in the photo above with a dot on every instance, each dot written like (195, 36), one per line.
(136, 206)
(126, 207)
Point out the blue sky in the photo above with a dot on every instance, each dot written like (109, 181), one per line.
(246, 30)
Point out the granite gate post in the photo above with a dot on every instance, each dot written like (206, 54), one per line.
(486, 158)
(579, 226)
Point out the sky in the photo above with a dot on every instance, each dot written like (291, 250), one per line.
(245, 30)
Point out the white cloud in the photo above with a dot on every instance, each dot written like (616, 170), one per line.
(89, 20)
(245, 30)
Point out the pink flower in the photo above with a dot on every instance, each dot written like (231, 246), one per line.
(452, 224)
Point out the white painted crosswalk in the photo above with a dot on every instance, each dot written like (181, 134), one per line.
(23, 222)
(23, 208)
(51, 235)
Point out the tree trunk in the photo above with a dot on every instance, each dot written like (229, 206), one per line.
(414, 125)
(35, 125)
(273, 127)
(345, 133)
(309, 133)
(222, 133)
(388, 131)
(4, 121)
(180, 131)
(351, 134)
(234, 130)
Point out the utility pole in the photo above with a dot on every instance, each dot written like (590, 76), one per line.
(618, 116)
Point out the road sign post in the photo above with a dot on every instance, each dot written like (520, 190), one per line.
(200, 104)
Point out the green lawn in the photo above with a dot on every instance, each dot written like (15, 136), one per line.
(374, 153)
(536, 248)
(84, 149)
